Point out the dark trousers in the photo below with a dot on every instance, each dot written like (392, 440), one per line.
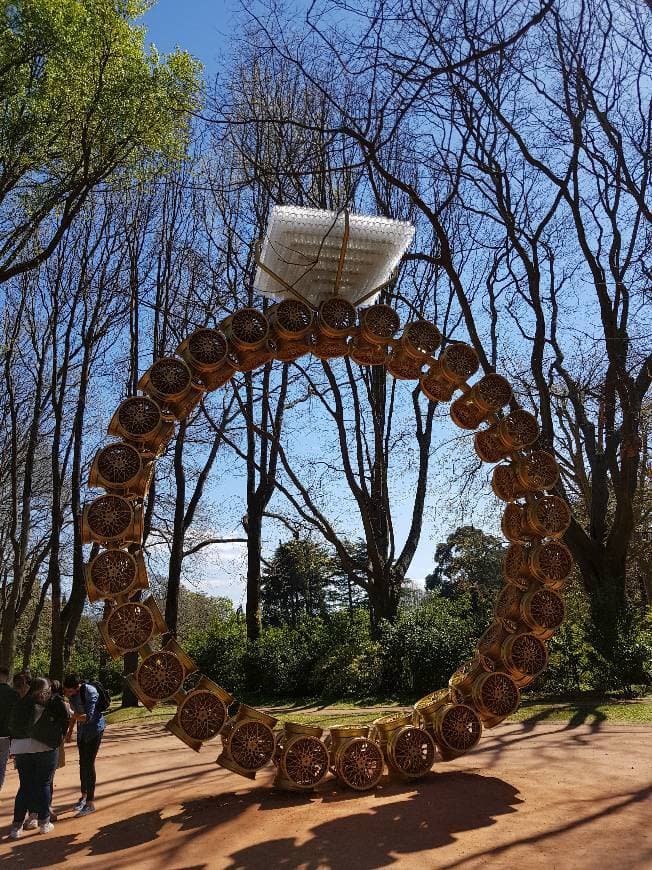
(35, 771)
(87, 753)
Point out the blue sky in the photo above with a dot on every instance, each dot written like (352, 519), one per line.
(202, 27)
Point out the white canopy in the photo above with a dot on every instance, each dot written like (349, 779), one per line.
(302, 246)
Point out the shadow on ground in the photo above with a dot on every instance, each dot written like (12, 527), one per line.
(434, 811)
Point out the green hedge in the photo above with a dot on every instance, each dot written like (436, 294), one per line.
(335, 656)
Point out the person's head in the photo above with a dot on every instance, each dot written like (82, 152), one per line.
(71, 685)
(4, 675)
(40, 690)
(21, 684)
(55, 685)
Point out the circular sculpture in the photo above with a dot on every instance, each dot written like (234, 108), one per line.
(130, 626)
(491, 393)
(496, 696)
(489, 445)
(513, 522)
(431, 702)
(548, 517)
(248, 329)
(434, 386)
(518, 430)
(336, 316)
(538, 471)
(160, 675)
(378, 323)
(551, 562)
(118, 465)
(466, 414)
(292, 318)
(113, 572)
(359, 763)
(543, 611)
(536, 564)
(421, 338)
(505, 483)
(508, 606)
(202, 715)
(525, 656)
(458, 362)
(291, 321)
(515, 565)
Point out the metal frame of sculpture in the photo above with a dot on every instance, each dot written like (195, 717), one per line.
(510, 654)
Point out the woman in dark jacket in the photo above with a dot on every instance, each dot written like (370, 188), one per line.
(36, 725)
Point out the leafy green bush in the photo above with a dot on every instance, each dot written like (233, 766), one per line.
(334, 656)
(220, 652)
(425, 645)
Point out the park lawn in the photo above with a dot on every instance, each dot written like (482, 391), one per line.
(139, 714)
(636, 712)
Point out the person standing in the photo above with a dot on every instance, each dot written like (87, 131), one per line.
(36, 724)
(83, 699)
(8, 697)
(57, 689)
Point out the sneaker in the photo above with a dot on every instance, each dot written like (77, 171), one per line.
(15, 833)
(30, 824)
(86, 810)
(81, 803)
(45, 828)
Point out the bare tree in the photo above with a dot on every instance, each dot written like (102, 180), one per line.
(531, 130)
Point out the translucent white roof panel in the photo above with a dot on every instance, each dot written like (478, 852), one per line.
(302, 246)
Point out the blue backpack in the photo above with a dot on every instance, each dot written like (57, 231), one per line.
(103, 700)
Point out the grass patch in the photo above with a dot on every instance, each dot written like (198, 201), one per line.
(140, 714)
(578, 713)
(575, 713)
(327, 720)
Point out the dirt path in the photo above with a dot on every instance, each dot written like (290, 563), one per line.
(544, 796)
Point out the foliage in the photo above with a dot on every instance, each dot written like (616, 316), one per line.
(469, 563)
(88, 655)
(197, 610)
(335, 656)
(81, 99)
(348, 588)
(296, 582)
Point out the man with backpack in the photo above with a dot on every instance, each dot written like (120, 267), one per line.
(88, 701)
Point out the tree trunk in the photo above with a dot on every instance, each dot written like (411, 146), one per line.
(130, 663)
(603, 576)
(8, 641)
(178, 533)
(384, 597)
(254, 547)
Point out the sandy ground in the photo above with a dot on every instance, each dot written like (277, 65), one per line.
(549, 796)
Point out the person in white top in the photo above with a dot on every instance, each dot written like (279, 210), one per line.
(37, 724)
